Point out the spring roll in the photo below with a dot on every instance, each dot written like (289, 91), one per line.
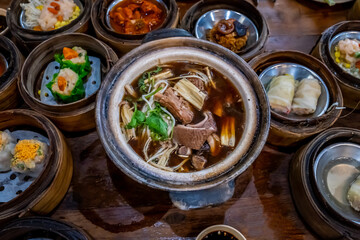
(281, 93)
(306, 96)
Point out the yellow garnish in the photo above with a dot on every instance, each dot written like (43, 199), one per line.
(40, 7)
(347, 65)
(337, 54)
(76, 13)
(26, 150)
(337, 60)
(39, 92)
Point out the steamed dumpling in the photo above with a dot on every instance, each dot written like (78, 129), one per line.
(76, 55)
(354, 194)
(306, 96)
(29, 157)
(348, 48)
(65, 82)
(281, 93)
(7, 144)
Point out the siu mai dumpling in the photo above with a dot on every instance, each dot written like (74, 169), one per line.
(67, 86)
(306, 96)
(281, 93)
(29, 157)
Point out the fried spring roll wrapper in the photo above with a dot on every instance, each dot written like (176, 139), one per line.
(281, 93)
(306, 96)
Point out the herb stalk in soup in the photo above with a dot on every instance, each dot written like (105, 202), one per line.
(182, 116)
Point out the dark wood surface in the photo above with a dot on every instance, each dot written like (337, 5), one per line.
(109, 205)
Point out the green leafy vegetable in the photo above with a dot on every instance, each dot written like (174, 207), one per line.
(137, 119)
(81, 69)
(157, 125)
(20, 166)
(330, 2)
(147, 76)
(154, 121)
(150, 94)
(76, 94)
(39, 152)
(357, 54)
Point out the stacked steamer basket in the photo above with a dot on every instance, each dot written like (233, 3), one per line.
(10, 65)
(202, 17)
(3, 26)
(40, 67)
(28, 36)
(288, 129)
(321, 175)
(325, 51)
(214, 184)
(42, 228)
(26, 191)
(123, 42)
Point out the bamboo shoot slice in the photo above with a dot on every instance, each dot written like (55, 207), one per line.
(190, 93)
(228, 132)
(125, 117)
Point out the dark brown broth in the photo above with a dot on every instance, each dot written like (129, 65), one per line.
(219, 235)
(224, 88)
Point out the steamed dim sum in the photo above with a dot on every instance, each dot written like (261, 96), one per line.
(29, 157)
(7, 144)
(67, 86)
(281, 93)
(354, 194)
(306, 96)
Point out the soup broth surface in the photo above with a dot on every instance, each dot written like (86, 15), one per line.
(223, 96)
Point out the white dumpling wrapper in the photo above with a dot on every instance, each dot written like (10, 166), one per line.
(354, 194)
(306, 96)
(7, 146)
(281, 93)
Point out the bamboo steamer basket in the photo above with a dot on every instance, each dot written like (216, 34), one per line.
(210, 186)
(287, 132)
(48, 189)
(9, 94)
(6, 30)
(123, 43)
(28, 39)
(42, 228)
(191, 17)
(350, 90)
(77, 116)
(310, 204)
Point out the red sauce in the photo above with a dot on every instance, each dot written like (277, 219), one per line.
(137, 16)
(3, 66)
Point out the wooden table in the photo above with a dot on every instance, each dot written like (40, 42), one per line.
(108, 205)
